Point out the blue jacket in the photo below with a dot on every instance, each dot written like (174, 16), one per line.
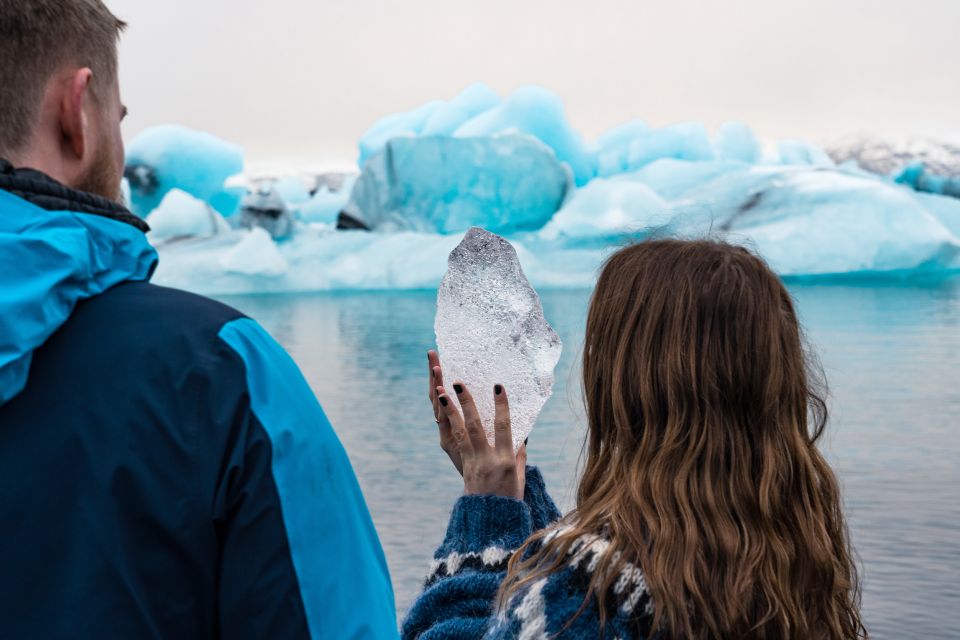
(459, 596)
(165, 470)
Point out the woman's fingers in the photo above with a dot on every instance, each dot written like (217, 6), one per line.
(443, 422)
(432, 383)
(503, 437)
(447, 441)
(438, 377)
(471, 417)
(457, 427)
(433, 363)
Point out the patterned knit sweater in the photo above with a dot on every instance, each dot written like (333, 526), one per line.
(458, 601)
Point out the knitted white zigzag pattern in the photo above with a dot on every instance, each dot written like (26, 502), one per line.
(490, 557)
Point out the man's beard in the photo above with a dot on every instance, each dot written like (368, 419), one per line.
(102, 179)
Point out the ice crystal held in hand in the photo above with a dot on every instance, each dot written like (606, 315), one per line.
(491, 330)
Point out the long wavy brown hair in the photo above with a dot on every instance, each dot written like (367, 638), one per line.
(701, 461)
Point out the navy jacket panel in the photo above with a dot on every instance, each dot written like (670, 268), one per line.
(135, 483)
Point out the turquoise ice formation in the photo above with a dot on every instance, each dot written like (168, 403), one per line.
(515, 166)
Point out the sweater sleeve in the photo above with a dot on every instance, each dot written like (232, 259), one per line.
(484, 531)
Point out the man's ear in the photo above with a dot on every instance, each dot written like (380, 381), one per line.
(73, 117)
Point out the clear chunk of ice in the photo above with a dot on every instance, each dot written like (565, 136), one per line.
(491, 330)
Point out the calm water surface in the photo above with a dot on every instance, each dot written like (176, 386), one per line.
(891, 353)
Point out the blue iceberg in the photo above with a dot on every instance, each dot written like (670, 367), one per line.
(436, 118)
(927, 166)
(516, 167)
(798, 152)
(539, 113)
(918, 177)
(736, 141)
(173, 157)
(181, 216)
(447, 185)
(612, 150)
(479, 112)
(473, 101)
(326, 204)
(608, 211)
(809, 221)
(684, 141)
(398, 125)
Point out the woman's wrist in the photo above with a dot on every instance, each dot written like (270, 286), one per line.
(480, 522)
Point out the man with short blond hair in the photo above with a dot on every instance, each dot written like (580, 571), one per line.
(165, 470)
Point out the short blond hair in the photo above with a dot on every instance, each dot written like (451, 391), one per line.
(38, 37)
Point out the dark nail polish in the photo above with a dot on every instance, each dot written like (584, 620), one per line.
(443, 400)
(497, 389)
(526, 441)
(458, 388)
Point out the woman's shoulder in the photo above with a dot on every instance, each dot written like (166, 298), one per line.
(557, 603)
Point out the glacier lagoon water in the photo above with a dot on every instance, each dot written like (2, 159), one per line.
(891, 352)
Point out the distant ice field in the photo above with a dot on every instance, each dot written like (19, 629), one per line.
(516, 167)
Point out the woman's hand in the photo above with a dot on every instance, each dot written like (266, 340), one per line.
(486, 470)
(443, 422)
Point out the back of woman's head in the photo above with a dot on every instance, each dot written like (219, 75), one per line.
(701, 462)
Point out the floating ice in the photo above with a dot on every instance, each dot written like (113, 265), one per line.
(634, 145)
(479, 112)
(174, 157)
(736, 141)
(180, 215)
(491, 330)
(264, 208)
(325, 205)
(444, 184)
(918, 177)
(944, 209)
(607, 211)
(473, 101)
(818, 223)
(255, 255)
(799, 152)
(398, 125)
(540, 113)
(612, 149)
(684, 141)
(507, 166)
(316, 258)
(292, 190)
(807, 221)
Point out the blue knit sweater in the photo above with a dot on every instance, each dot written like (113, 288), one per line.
(458, 601)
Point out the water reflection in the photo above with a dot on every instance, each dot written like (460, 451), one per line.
(891, 354)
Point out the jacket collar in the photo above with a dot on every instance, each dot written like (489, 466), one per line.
(45, 192)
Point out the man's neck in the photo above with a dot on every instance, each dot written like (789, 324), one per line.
(39, 159)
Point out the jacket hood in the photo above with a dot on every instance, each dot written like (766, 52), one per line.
(58, 247)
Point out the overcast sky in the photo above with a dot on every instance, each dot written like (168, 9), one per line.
(299, 81)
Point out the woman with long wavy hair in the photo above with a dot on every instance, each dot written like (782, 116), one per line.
(704, 508)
